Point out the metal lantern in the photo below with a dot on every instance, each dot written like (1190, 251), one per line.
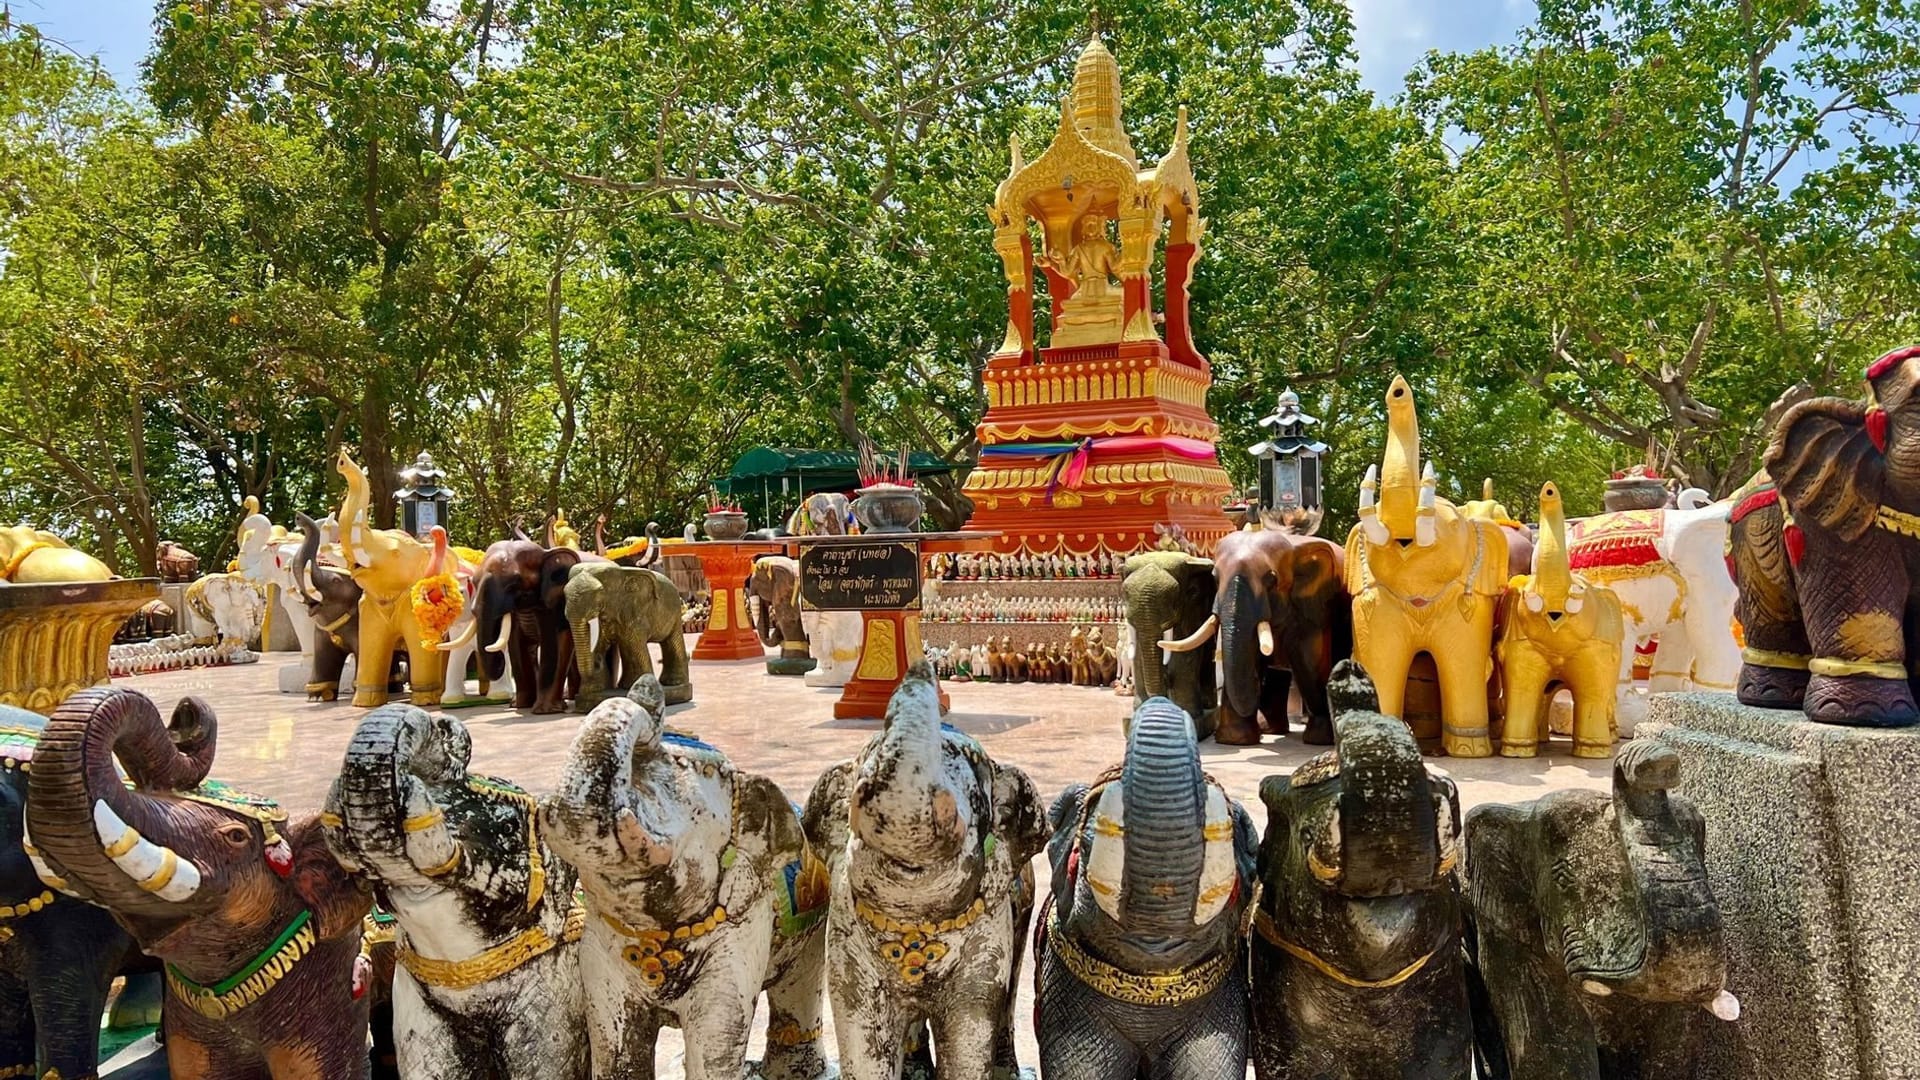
(1289, 458)
(423, 496)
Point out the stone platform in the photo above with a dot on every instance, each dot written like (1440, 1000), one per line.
(1813, 844)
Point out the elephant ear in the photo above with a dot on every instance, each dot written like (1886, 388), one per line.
(767, 817)
(1501, 848)
(1064, 817)
(1316, 570)
(1019, 815)
(825, 818)
(338, 898)
(1824, 462)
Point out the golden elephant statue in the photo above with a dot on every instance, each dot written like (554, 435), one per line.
(30, 556)
(1425, 578)
(387, 564)
(1560, 630)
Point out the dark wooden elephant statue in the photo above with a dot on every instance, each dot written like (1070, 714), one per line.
(1140, 954)
(521, 611)
(333, 603)
(1825, 547)
(1284, 618)
(58, 954)
(258, 925)
(1357, 965)
(1173, 591)
(1597, 937)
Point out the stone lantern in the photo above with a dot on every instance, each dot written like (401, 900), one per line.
(1289, 458)
(423, 497)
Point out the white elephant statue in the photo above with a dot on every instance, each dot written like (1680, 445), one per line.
(266, 557)
(1123, 677)
(226, 607)
(834, 641)
(466, 644)
(1669, 569)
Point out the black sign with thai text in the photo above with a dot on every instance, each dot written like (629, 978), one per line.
(878, 576)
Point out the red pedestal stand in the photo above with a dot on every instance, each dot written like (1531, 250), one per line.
(727, 563)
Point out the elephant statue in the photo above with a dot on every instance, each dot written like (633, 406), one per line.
(821, 514)
(1596, 934)
(269, 557)
(175, 564)
(1140, 956)
(834, 640)
(1519, 537)
(30, 556)
(386, 563)
(486, 980)
(1669, 569)
(226, 607)
(520, 609)
(1823, 555)
(928, 841)
(1425, 579)
(1357, 964)
(258, 925)
(700, 891)
(635, 607)
(58, 955)
(1284, 617)
(631, 551)
(331, 599)
(463, 647)
(1172, 591)
(775, 583)
(1559, 630)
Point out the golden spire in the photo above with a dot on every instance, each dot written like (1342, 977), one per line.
(1096, 100)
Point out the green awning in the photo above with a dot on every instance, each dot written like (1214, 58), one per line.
(795, 470)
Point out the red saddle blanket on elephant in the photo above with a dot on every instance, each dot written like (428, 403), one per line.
(1622, 538)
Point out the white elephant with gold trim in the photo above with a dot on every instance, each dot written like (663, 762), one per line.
(1425, 578)
(226, 610)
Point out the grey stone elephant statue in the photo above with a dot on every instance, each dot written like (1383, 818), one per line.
(635, 606)
(701, 892)
(486, 981)
(1357, 962)
(1173, 591)
(1597, 937)
(928, 841)
(1140, 959)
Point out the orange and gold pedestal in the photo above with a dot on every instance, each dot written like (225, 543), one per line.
(727, 564)
(890, 641)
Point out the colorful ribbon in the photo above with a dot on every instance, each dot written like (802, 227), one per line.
(1070, 460)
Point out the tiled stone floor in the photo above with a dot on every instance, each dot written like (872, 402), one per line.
(283, 746)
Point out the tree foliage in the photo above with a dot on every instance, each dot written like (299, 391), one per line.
(587, 251)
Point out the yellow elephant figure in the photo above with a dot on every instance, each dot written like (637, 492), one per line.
(1425, 578)
(386, 563)
(30, 556)
(1561, 629)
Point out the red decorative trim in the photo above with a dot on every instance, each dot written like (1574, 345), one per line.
(1881, 366)
(1621, 551)
(1877, 428)
(1762, 498)
(1796, 544)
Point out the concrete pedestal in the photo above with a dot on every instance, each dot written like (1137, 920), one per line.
(1813, 844)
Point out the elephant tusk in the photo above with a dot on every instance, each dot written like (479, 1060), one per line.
(466, 637)
(1725, 1006)
(1266, 638)
(1597, 989)
(1194, 640)
(1424, 517)
(1370, 526)
(154, 868)
(506, 631)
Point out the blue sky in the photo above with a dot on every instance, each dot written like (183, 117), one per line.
(1392, 35)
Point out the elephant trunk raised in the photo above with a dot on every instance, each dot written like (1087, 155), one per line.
(902, 803)
(91, 829)
(1166, 816)
(308, 557)
(1386, 821)
(392, 824)
(589, 820)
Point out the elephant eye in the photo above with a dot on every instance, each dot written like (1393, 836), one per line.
(236, 834)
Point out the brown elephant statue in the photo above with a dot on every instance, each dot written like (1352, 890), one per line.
(1283, 616)
(1825, 547)
(259, 927)
(774, 583)
(521, 611)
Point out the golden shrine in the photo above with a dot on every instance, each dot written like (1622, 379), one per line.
(1094, 439)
